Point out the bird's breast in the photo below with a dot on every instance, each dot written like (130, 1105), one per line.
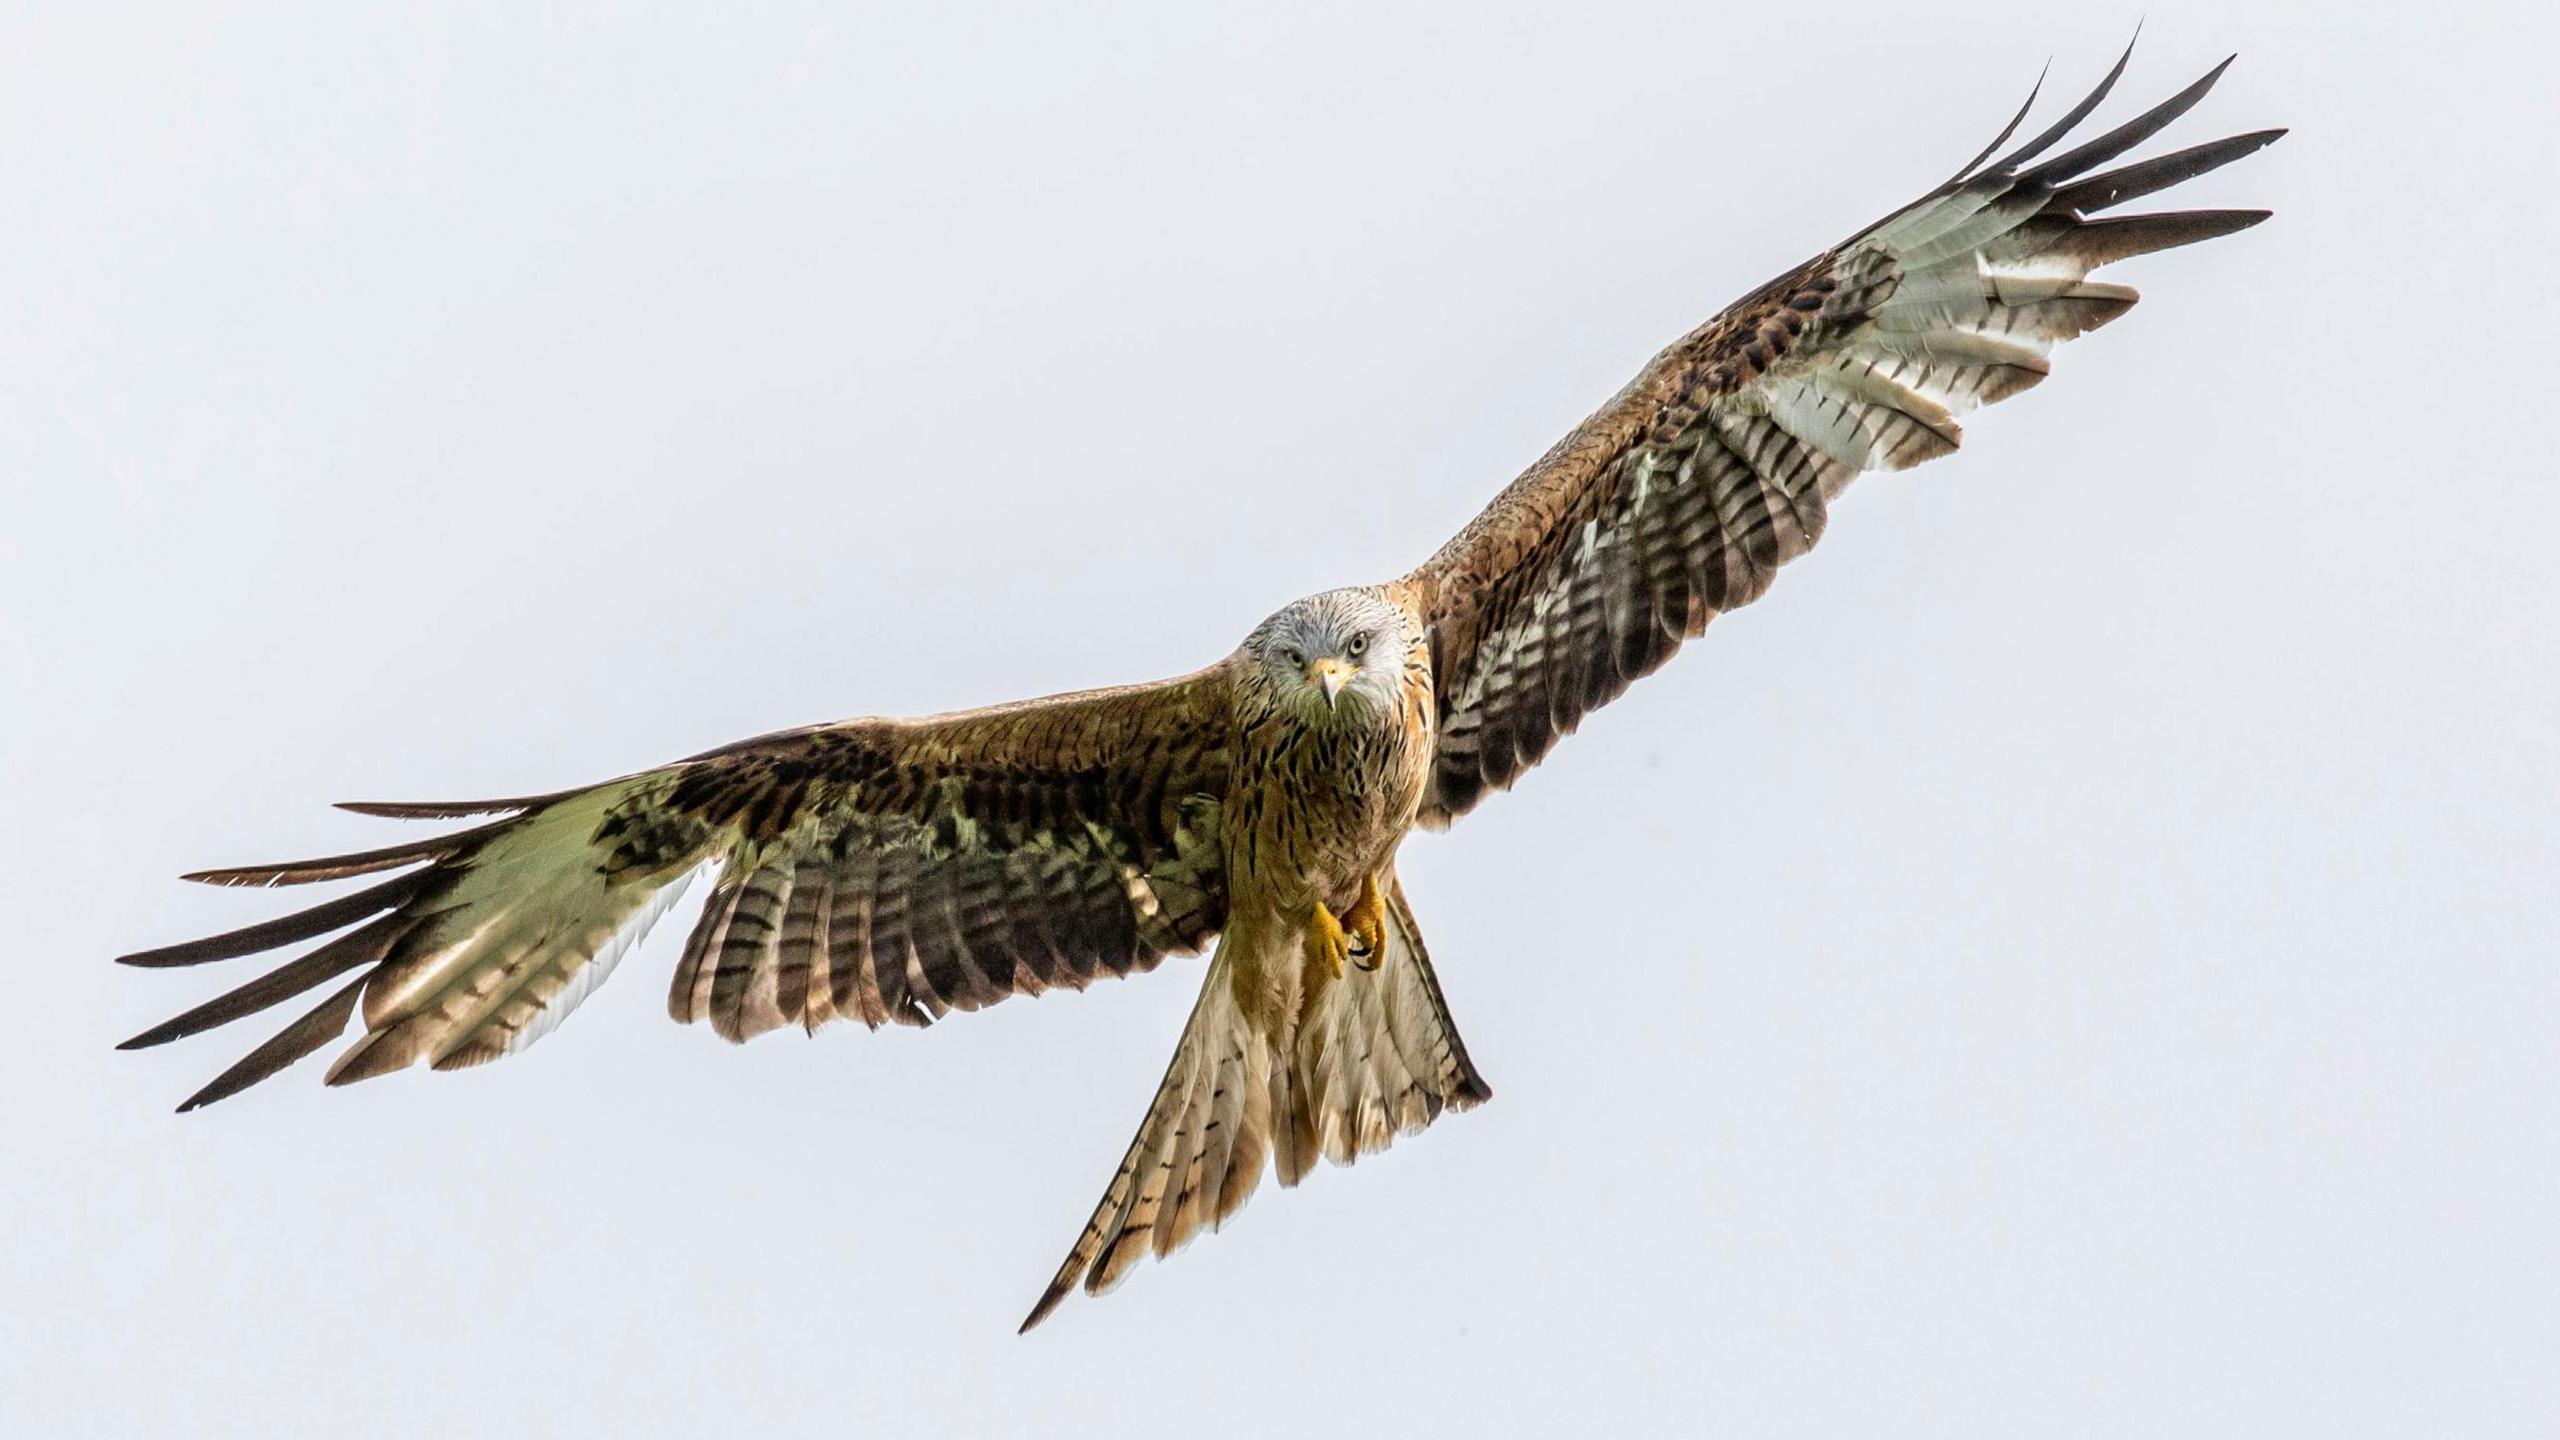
(1323, 808)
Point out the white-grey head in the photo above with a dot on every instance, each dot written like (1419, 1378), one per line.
(1332, 658)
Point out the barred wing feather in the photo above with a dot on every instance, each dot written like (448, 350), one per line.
(886, 870)
(1718, 464)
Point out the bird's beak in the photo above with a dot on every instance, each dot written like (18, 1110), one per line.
(1329, 673)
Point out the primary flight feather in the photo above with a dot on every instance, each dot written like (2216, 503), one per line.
(897, 870)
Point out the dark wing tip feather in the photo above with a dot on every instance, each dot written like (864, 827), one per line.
(444, 809)
(2124, 137)
(2070, 118)
(363, 947)
(317, 1027)
(2184, 227)
(1517, 554)
(1965, 171)
(284, 929)
(2104, 242)
(305, 872)
(359, 862)
(2132, 182)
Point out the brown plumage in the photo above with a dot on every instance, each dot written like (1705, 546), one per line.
(898, 870)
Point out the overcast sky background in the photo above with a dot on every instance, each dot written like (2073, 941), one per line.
(2081, 958)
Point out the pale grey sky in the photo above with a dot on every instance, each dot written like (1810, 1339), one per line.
(2078, 959)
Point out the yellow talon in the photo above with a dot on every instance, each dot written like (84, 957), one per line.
(1326, 944)
(1368, 924)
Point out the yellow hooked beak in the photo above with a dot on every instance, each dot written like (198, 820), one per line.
(1330, 673)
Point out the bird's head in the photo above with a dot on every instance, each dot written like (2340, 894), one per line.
(1334, 657)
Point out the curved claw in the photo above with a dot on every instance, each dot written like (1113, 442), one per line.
(1367, 923)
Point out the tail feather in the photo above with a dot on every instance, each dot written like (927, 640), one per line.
(1373, 1057)
(1382, 1060)
(1213, 1109)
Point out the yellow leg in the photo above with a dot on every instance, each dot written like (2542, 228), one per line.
(1326, 944)
(1367, 923)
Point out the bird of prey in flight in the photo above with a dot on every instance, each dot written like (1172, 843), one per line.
(901, 869)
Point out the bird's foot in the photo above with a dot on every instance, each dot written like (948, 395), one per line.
(1367, 923)
(1326, 944)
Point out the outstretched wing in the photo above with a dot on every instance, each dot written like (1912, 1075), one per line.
(1716, 465)
(880, 869)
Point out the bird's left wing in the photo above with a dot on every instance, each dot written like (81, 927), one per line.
(1716, 465)
(877, 869)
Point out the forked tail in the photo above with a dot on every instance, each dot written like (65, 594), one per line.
(1377, 1057)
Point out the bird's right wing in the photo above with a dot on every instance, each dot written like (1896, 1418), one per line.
(1682, 496)
(879, 869)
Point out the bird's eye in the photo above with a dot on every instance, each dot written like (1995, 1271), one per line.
(1296, 655)
(1359, 644)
